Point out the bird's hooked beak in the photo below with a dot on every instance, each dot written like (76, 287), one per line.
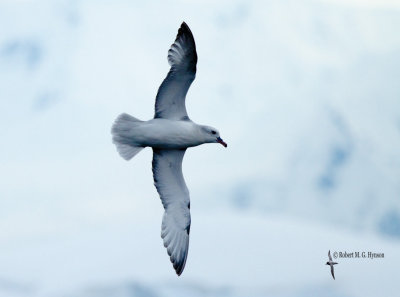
(219, 139)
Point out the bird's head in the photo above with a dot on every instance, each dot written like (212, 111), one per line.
(327, 263)
(211, 135)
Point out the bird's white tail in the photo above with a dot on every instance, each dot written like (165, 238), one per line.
(122, 132)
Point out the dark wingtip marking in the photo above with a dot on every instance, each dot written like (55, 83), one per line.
(184, 30)
(184, 25)
(179, 271)
(179, 267)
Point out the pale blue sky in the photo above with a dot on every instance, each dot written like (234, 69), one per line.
(304, 92)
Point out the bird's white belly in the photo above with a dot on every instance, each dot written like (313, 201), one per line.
(167, 134)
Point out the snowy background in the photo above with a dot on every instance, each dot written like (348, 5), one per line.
(305, 93)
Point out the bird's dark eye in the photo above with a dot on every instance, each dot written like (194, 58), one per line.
(213, 132)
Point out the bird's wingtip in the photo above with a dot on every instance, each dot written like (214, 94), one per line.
(179, 269)
(178, 273)
(185, 27)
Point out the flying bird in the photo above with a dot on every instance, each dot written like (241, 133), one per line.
(169, 134)
(331, 263)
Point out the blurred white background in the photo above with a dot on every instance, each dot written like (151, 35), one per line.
(305, 93)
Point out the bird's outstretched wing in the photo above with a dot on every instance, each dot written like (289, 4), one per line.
(182, 56)
(329, 255)
(332, 272)
(170, 184)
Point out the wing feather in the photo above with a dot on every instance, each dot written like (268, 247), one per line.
(171, 186)
(182, 56)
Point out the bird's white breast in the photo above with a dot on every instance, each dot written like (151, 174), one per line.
(168, 134)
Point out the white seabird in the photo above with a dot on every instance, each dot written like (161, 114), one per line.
(331, 263)
(169, 134)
